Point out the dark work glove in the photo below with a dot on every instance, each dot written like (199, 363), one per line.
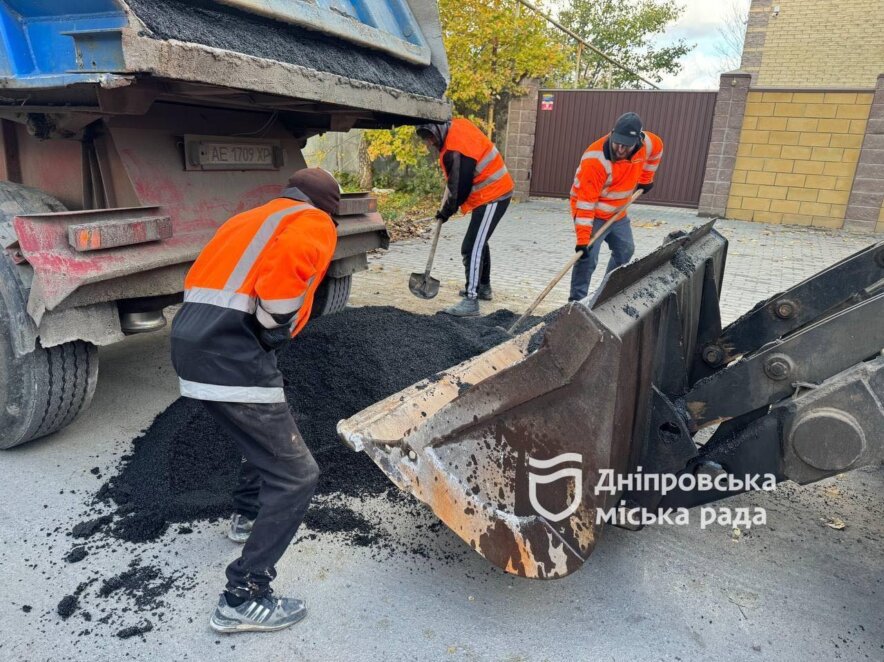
(645, 188)
(441, 217)
(582, 248)
(274, 338)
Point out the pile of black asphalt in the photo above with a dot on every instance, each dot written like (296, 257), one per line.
(183, 467)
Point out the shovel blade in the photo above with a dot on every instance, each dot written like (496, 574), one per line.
(423, 286)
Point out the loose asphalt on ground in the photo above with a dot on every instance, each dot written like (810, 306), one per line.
(794, 589)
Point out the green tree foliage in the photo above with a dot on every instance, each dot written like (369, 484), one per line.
(493, 45)
(400, 143)
(627, 30)
(415, 168)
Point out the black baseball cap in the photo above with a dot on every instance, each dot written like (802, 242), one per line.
(627, 129)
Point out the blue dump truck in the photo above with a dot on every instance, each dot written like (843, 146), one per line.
(131, 129)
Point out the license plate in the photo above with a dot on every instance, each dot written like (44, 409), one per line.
(232, 155)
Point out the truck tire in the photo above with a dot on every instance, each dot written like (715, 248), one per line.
(47, 388)
(21, 199)
(331, 296)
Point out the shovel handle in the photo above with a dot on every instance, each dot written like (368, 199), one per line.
(433, 248)
(572, 261)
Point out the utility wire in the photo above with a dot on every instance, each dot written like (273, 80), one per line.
(263, 128)
(577, 37)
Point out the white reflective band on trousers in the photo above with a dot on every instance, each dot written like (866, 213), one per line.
(218, 393)
(478, 246)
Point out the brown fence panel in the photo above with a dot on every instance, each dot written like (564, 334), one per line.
(683, 119)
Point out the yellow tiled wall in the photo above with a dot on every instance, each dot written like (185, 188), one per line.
(822, 43)
(797, 156)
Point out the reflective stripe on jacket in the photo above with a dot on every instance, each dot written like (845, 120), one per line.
(491, 179)
(602, 187)
(259, 271)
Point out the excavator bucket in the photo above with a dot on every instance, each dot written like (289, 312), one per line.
(510, 447)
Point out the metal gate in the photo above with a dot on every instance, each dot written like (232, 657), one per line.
(569, 120)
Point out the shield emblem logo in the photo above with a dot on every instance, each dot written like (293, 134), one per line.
(535, 479)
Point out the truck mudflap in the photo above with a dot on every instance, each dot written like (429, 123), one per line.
(510, 448)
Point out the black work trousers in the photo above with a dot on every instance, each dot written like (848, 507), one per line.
(474, 250)
(277, 479)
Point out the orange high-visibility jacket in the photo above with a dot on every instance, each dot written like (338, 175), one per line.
(491, 180)
(260, 270)
(602, 187)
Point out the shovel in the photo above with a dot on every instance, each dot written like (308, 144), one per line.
(422, 285)
(595, 237)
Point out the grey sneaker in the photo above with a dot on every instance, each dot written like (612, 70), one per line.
(263, 614)
(464, 308)
(484, 292)
(240, 528)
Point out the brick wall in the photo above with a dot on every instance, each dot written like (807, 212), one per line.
(756, 34)
(865, 209)
(815, 43)
(727, 122)
(797, 156)
(518, 148)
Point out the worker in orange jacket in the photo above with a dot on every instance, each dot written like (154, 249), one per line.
(610, 171)
(479, 183)
(248, 293)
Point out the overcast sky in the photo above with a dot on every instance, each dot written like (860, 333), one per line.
(699, 25)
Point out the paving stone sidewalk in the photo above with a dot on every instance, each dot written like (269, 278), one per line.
(536, 238)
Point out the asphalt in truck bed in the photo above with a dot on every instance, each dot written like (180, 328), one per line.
(227, 28)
